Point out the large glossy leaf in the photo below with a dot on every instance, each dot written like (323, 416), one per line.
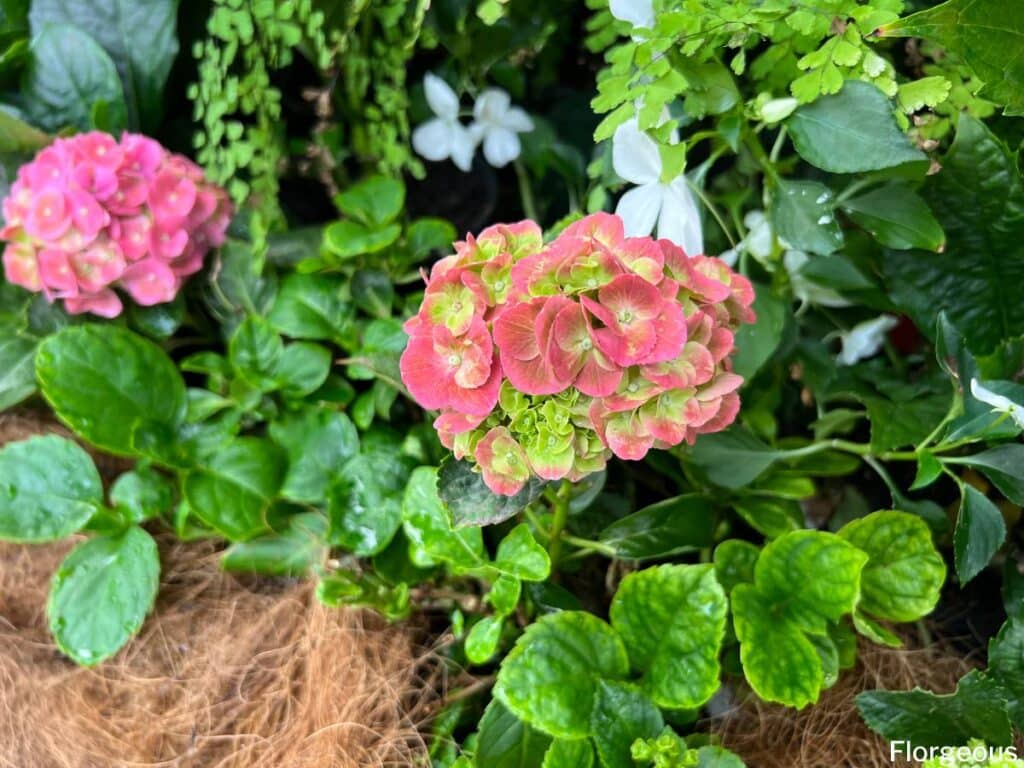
(852, 131)
(987, 34)
(665, 528)
(428, 527)
(312, 307)
(672, 621)
(105, 381)
(318, 442)
(365, 509)
(803, 214)
(552, 677)
(140, 37)
(471, 502)
(979, 198)
(897, 216)
(922, 718)
(49, 488)
(101, 594)
(68, 73)
(293, 552)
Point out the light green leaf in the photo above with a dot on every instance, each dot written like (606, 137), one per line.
(925, 92)
(429, 529)
(49, 488)
(505, 741)
(922, 718)
(897, 217)
(875, 632)
(311, 307)
(234, 488)
(552, 678)
(621, 715)
(482, 640)
(569, 754)
(672, 621)
(770, 516)
(803, 214)
(318, 441)
(293, 552)
(101, 594)
(980, 531)
(521, 556)
(374, 201)
(67, 74)
(424, 236)
(904, 573)
(851, 132)
(104, 381)
(141, 494)
(348, 239)
(668, 527)
(734, 562)
(140, 37)
(979, 198)
(17, 136)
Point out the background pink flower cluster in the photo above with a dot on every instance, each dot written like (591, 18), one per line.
(90, 214)
(623, 343)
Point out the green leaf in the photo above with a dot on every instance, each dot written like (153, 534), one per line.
(756, 342)
(482, 640)
(980, 531)
(104, 381)
(49, 488)
(141, 494)
(668, 527)
(569, 754)
(1006, 665)
(986, 34)
(671, 619)
(979, 198)
(732, 459)
(429, 529)
(552, 678)
(17, 368)
(897, 217)
(521, 556)
(17, 136)
(875, 632)
(312, 307)
(347, 239)
(374, 201)
(621, 715)
(373, 292)
(929, 469)
(294, 552)
(101, 594)
(140, 37)
(234, 487)
(365, 507)
(770, 516)
(302, 369)
(471, 502)
(424, 236)
(904, 573)
(505, 741)
(68, 73)
(255, 350)
(803, 214)
(317, 441)
(922, 718)
(734, 562)
(717, 757)
(926, 92)
(1003, 465)
(852, 131)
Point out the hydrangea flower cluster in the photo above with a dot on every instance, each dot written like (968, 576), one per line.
(90, 214)
(545, 360)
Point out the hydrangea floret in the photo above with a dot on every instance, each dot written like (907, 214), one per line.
(545, 360)
(90, 214)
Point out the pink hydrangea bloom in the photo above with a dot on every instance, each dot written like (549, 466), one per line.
(546, 359)
(90, 215)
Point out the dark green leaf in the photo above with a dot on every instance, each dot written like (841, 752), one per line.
(734, 562)
(67, 73)
(302, 369)
(365, 507)
(429, 529)
(1003, 465)
(294, 552)
(980, 531)
(318, 441)
(680, 524)
(770, 516)
(852, 131)
(470, 502)
(1006, 665)
(505, 741)
(373, 292)
(104, 381)
(255, 351)
(101, 594)
(897, 217)
(17, 368)
(621, 715)
(141, 494)
(733, 458)
(756, 342)
(49, 488)
(311, 307)
(803, 214)
(425, 236)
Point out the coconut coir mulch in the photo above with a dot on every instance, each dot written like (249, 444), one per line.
(225, 673)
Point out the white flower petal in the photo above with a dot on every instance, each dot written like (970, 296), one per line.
(729, 257)
(990, 398)
(635, 155)
(501, 147)
(464, 143)
(440, 97)
(639, 209)
(491, 106)
(680, 218)
(639, 13)
(865, 339)
(433, 140)
(517, 120)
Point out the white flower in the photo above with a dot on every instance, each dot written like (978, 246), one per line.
(499, 124)
(639, 13)
(808, 291)
(998, 402)
(865, 339)
(444, 136)
(671, 206)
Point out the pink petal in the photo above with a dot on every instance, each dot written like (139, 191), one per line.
(103, 304)
(150, 282)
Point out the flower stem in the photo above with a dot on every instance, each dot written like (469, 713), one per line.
(560, 509)
(526, 192)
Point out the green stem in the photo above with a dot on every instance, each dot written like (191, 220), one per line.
(588, 545)
(560, 516)
(714, 212)
(526, 192)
